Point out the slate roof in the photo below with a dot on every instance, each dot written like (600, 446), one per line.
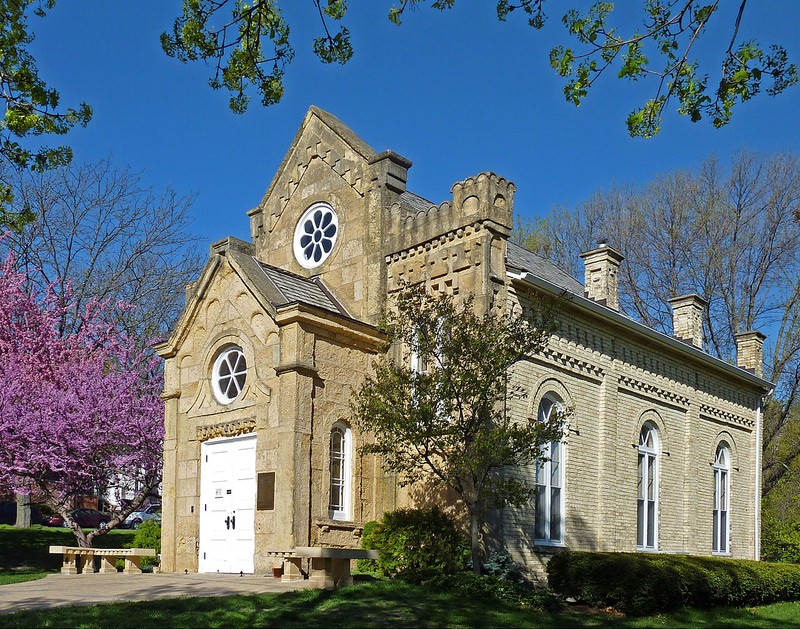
(524, 260)
(294, 288)
(414, 202)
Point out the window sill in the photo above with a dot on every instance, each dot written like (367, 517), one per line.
(548, 547)
(643, 549)
(547, 542)
(718, 554)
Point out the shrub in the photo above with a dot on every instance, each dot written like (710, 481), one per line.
(415, 543)
(516, 593)
(639, 583)
(148, 535)
(501, 566)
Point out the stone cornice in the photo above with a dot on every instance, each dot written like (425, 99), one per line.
(358, 333)
(726, 416)
(650, 390)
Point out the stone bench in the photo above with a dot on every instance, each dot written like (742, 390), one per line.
(330, 567)
(79, 560)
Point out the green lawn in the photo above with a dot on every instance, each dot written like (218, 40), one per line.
(24, 556)
(376, 604)
(24, 553)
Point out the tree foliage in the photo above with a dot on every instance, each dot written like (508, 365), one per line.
(449, 421)
(79, 410)
(727, 234)
(32, 109)
(249, 44)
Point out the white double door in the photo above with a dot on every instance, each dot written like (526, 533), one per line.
(227, 504)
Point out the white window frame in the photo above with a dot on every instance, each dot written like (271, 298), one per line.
(228, 359)
(343, 479)
(647, 460)
(721, 531)
(544, 491)
(317, 235)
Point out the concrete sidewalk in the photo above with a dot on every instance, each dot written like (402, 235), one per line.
(57, 590)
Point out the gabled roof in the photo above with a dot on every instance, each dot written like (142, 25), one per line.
(296, 289)
(521, 259)
(277, 286)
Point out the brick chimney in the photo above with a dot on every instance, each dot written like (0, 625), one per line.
(687, 319)
(750, 351)
(600, 276)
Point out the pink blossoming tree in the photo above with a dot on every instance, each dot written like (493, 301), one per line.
(78, 410)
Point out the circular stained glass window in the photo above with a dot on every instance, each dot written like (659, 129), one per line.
(315, 235)
(229, 374)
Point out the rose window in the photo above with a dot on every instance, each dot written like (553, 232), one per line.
(229, 374)
(315, 235)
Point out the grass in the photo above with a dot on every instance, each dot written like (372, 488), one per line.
(25, 556)
(377, 604)
(29, 548)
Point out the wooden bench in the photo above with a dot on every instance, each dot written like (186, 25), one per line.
(79, 560)
(330, 567)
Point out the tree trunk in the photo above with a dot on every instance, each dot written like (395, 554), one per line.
(23, 511)
(77, 531)
(475, 540)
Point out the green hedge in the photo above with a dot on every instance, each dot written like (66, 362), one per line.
(641, 583)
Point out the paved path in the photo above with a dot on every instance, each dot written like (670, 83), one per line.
(56, 590)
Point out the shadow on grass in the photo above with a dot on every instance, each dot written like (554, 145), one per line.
(376, 604)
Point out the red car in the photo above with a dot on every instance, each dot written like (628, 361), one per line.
(85, 518)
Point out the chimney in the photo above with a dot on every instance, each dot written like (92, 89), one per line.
(687, 319)
(600, 277)
(750, 351)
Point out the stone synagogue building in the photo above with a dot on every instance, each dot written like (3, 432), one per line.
(661, 452)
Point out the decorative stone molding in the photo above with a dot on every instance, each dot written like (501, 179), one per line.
(326, 526)
(226, 429)
(349, 170)
(572, 363)
(650, 390)
(717, 413)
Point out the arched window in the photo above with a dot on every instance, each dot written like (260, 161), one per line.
(340, 464)
(647, 476)
(721, 468)
(549, 496)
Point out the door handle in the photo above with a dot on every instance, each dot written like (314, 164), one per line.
(233, 522)
(228, 523)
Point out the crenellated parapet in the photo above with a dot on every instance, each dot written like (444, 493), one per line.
(486, 198)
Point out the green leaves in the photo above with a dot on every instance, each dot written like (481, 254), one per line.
(250, 44)
(446, 418)
(671, 29)
(31, 107)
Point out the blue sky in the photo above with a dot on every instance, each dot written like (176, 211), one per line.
(457, 93)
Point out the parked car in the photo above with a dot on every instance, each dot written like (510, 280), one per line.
(86, 519)
(135, 519)
(54, 520)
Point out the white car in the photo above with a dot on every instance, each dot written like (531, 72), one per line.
(134, 520)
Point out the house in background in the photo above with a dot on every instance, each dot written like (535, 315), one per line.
(661, 453)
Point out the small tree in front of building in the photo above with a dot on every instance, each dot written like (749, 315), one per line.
(438, 406)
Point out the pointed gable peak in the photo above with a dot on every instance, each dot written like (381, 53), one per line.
(340, 129)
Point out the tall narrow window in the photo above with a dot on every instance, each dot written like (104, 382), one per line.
(721, 499)
(647, 516)
(340, 463)
(549, 497)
